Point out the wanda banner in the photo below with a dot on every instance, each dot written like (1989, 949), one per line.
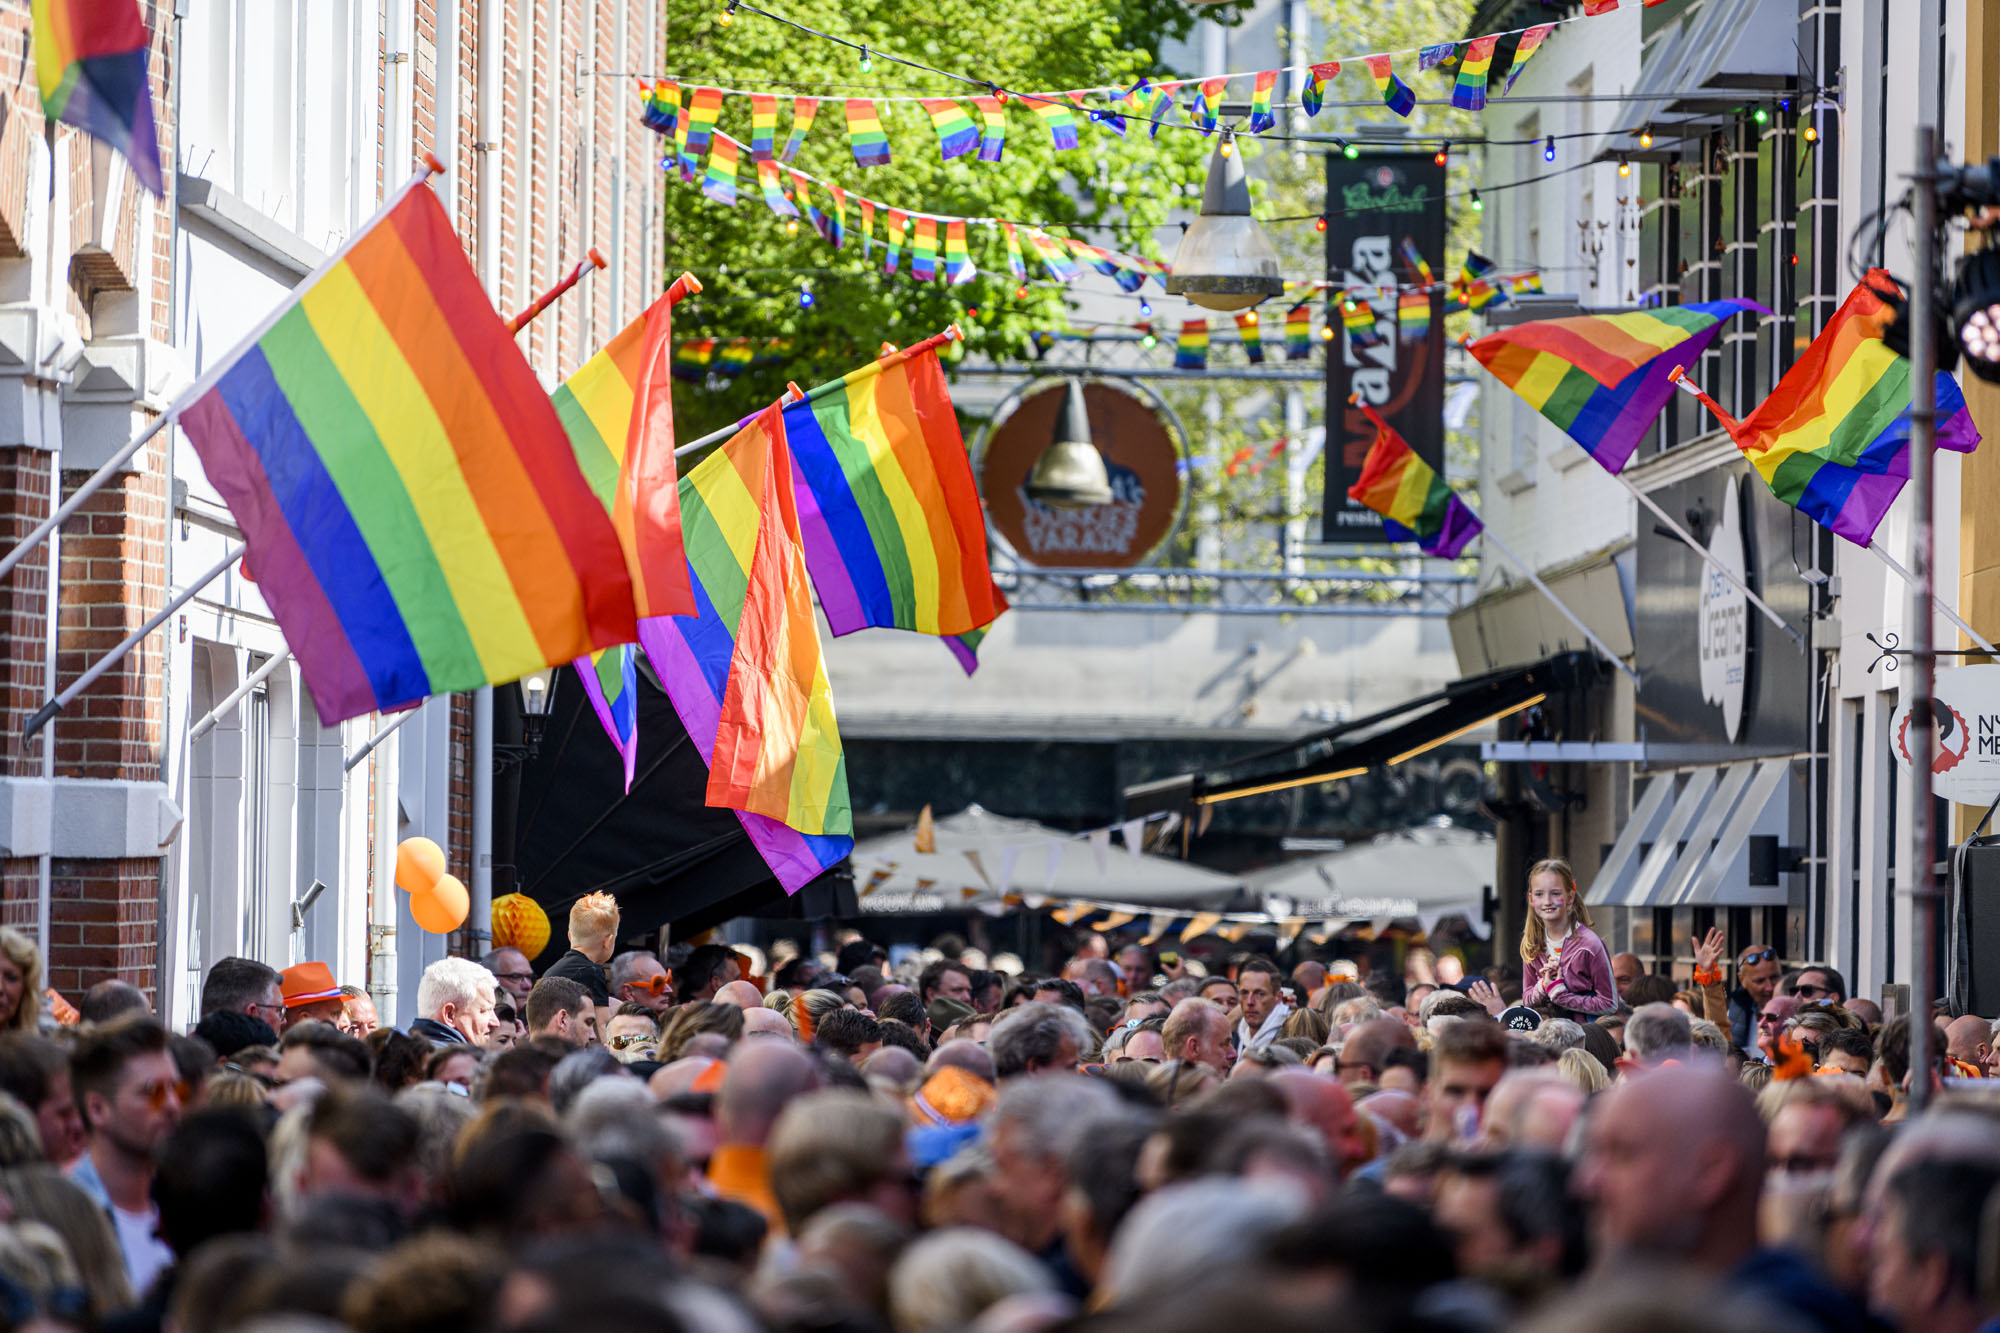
(1375, 203)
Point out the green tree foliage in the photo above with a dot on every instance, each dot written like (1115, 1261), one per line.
(754, 269)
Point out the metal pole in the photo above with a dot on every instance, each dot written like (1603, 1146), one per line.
(214, 715)
(382, 901)
(1917, 872)
(1486, 534)
(1896, 566)
(128, 643)
(90, 487)
(382, 733)
(1705, 554)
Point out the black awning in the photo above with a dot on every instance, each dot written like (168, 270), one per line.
(1379, 740)
(668, 857)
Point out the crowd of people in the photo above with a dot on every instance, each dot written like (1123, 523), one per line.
(1129, 1140)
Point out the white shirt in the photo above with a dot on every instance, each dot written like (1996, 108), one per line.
(146, 1255)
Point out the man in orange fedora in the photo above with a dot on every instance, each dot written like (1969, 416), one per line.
(311, 992)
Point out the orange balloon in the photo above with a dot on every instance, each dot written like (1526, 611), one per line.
(443, 908)
(419, 865)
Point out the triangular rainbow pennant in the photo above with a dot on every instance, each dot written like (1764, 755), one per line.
(955, 131)
(1396, 94)
(864, 134)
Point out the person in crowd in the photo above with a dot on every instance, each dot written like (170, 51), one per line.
(1818, 984)
(1757, 972)
(20, 982)
(1968, 1040)
(1261, 996)
(311, 994)
(761, 1081)
(1197, 1032)
(633, 1034)
(1848, 1051)
(1037, 1038)
(1930, 1244)
(637, 977)
(838, 1146)
(1364, 1054)
(316, 1049)
(35, 1072)
(455, 1003)
(849, 1034)
(1219, 991)
(1657, 1034)
(562, 1008)
(110, 998)
(243, 985)
(947, 977)
(361, 1016)
(1468, 1059)
(1513, 1222)
(126, 1086)
(1626, 969)
(1566, 964)
(1035, 1126)
(709, 967)
(593, 938)
(513, 972)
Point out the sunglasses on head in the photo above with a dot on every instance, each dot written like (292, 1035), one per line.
(1756, 956)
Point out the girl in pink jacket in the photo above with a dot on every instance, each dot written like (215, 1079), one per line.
(1562, 960)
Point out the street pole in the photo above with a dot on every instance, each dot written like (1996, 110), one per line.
(1918, 874)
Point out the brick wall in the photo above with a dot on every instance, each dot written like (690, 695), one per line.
(24, 482)
(106, 924)
(113, 574)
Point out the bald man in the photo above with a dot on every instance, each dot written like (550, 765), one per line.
(1672, 1172)
(1626, 969)
(763, 1078)
(762, 1022)
(1365, 1052)
(1325, 1107)
(742, 994)
(1970, 1040)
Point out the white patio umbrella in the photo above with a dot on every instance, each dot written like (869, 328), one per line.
(1426, 873)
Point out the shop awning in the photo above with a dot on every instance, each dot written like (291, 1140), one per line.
(1421, 873)
(1380, 740)
(1704, 64)
(1687, 841)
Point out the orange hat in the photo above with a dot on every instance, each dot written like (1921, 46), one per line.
(308, 983)
(952, 1096)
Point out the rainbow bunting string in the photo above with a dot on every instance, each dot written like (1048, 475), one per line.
(993, 134)
(802, 194)
(473, 550)
(1833, 439)
(1251, 337)
(1468, 93)
(1207, 104)
(1603, 379)
(1312, 96)
(763, 127)
(864, 134)
(1530, 42)
(733, 358)
(773, 189)
(746, 674)
(661, 111)
(1191, 348)
(1261, 118)
(1054, 255)
(867, 228)
(1160, 104)
(894, 228)
(1358, 318)
(924, 251)
(958, 265)
(836, 222)
(1472, 289)
(1430, 57)
(1298, 332)
(691, 359)
(1396, 94)
(1413, 317)
(718, 181)
(1526, 282)
(90, 66)
(1016, 265)
(1420, 268)
(704, 105)
(611, 682)
(803, 111)
(1413, 500)
(1061, 123)
(956, 134)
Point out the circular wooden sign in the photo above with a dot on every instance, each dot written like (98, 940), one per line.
(1140, 455)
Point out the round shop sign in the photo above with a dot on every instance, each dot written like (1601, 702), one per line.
(1965, 737)
(1141, 456)
(1723, 621)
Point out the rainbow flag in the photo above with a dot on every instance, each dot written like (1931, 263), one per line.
(1299, 332)
(662, 111)
(803, 111)
(1413, 500)
(90, 64)
(1054, 255)
(1191, 349)
(1420, 268)
(1251, 337)
(958, 265)
(897, 225)
(704, 105)
(836, 223)
(923, 250)
(965, 647)
(1833, 439)
(1525, 282)
(718, 182)
(773, 189)
(1413, 316)
(764, 127)
(894, 534)
(1358, 318)
(1592, 8)
(802, 193)
(691, 359)
(1110, 119)
(1261, 118)
(611, 682)
(1313, 94)
(1472, 289)
(1469, 92)
(1396, 94)
(1430, 57)
(1531, 41)
(1016, 265)
(864, 134)
(1207, 104)
(746, 674)
(1062, 124)
(993, 132)
(867, 227)
(733, 358)
(955, 131)
(1603, 378)
(618, 412)
(472, 550)
(1160, 104)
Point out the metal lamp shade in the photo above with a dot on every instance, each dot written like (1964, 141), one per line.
(1225, 261)
(1070, 474)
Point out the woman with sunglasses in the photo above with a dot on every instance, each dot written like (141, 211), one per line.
(1562, 960)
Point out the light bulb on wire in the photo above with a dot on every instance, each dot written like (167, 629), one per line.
(806, 297)
(1351, 151)
(1443, 154)
(867, 65)
(1549, 149)
(1646, 137)
(1812, 134)
(1478, 205)
(1145, 306)
(1624, 167)
(1319, 224)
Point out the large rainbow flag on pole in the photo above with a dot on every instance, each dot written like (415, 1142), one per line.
(90, 64)
(1413, 500)
(745, 674)
(1604, 378)
(416, 518)
(1833, 439)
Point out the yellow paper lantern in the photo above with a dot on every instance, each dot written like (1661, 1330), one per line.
(442, 909)
(419, 865)
(520, 923)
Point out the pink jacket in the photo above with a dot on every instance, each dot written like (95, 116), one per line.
(1583, 982)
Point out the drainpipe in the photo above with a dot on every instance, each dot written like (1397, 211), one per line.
(478, 924)
(382, 903)
(492, 34)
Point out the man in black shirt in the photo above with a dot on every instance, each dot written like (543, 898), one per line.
(593, 936)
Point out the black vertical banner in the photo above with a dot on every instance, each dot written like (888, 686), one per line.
(1375, 203)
